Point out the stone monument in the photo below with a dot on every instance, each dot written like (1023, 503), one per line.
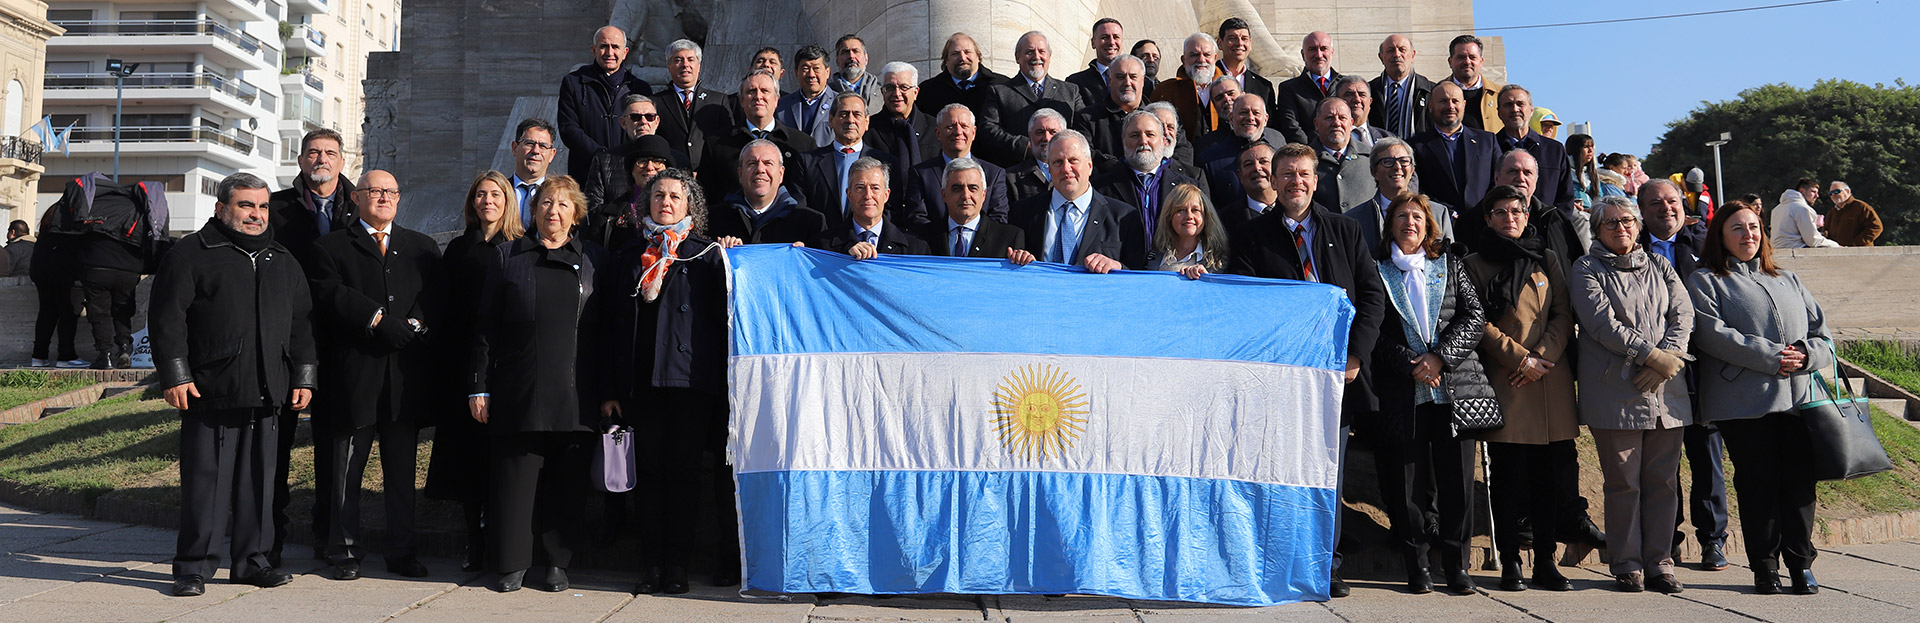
(442, 109)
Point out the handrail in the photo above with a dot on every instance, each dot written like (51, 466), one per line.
(20, 149)
(101, 27)
(235, 139)
(241, 89)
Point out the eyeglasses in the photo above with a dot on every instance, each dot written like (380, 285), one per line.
(1836, 192)
(1509, 213)
(1403, 161)
(1618, 224)
(642, 116)
(380, 193)
(535, 144)
(897, 88)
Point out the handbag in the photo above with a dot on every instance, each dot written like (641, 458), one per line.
(1477, 414)
(1840, 426)
(613, 465)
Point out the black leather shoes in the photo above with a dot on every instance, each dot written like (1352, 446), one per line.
(1511, 576)
(1419, 582)
(727, 577)
(1459, 583)
(509, 582)
(408, 567)
(1803, 582)
(266, 578)
(555, 580)
(673, 581)
(189, 586)
(1711, 558)
(649, 582)
(1545, 577)
(1665, 583)
(1338, 588)
(347, 571)
(1766, 582)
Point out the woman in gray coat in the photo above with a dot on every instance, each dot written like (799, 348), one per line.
(1635, 317)
(1760, 335)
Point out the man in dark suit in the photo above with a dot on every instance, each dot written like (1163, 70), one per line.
(1353, 89)
(1293, 100)
(963, 231)
(899, 128)
(867, 232)
(1400, 93)
(1392, 166)
(758, 93)
(1101, 123)
(1107, 42)
(610, 177)
(962, 79)
(1147, 174)
(591, 101)
(1189, 93)
(1303, 241)
(1030, 178)
(805, 109)
(689, 114)
(1072, 224)
(1009, 105)
(1170, 116)
(318, 202)
(1220, 159)
(1254, 191)
(763, 211)
(824, 170)
(1343, 177)
(926, 181)
(1236, 47)
(1556, 176)
(1453, 162)
(378, 289)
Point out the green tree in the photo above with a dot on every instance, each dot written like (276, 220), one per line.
(1868, 136)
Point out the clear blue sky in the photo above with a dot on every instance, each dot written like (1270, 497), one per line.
(1631, 79)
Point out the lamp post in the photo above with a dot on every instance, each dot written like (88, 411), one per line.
(120, 71)
(1719, 185)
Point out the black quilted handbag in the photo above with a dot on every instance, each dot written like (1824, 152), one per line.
(1477, 414)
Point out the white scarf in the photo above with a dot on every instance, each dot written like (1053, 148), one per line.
(1414, 275)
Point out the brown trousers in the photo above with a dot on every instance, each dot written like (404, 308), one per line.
(1642, 470)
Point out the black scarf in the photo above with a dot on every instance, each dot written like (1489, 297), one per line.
(248, 243)
(1518, 259)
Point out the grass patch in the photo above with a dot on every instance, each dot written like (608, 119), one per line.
(93, 450)
(1886, 492)
(1892, 361)
(18, 387)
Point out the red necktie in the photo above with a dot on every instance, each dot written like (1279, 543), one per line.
(1322, 81)
(686, 100)
(846, 150)
(1306, 254)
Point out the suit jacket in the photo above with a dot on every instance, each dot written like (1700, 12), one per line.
(1489, 106)
(1416, 110)
(938, 91)
(1555, 184)
(787, 221)
(1092, 83)
(991, 238)
(1025, 180)
(1101, 123)
(1196, 117)
(894, 240)
(792, 112)
(1004, 112)
(720, 173)
(1121, 183)
(1367, 214)
(1436, 173)
(1252, 82)
(1346, 182)
(819, 180)
(1367, 136)
(910, 140)
(1263, 247)
(588, 114)
(295, 226)
(1293, 104)
(688, 131)
(925, 205)
(364, 364)
(1113, 229)
(1223, 143)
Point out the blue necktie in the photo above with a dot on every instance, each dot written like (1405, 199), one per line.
(525, 190)
(960, 240)
(869, 238)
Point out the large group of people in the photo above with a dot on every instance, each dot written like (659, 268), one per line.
(1486, 288)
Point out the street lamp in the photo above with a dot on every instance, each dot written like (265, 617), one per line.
(1719, 184)
(120, 71)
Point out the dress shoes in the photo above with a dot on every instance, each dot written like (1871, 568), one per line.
(726, 577)
(1665, 583)
(1459, 583)
(189, 586)
(554, 581)
(407, 567)
(673, 581)
(1803, 582)
(509, 582)
(1338, 588)
(1546, 577)
(1629, 582)
(1766, 582)
(347, 571)
(1512, 578)
(649, 582)
(266, 578)
(1712, 558)
(1419, 582)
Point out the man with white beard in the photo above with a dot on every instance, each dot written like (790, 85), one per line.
(1147, 172)
(1005, 110)
(1188, 93)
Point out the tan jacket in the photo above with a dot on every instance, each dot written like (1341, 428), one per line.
(1490, 107)
(1854, 224)
(1540, 324)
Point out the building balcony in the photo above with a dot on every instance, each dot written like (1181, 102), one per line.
(227, 97)
(234, 147)
(310, 7)
(223, 45)
(302, 79)
(307, 41)
(237, 10)
(17, 148)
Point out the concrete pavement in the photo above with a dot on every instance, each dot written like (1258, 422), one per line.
(61, 568)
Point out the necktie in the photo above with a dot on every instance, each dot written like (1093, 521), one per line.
(1306, 254)
(846, 150)
(1060, 248)
(686, 100)
(323, 216)
(1322, 82)
(869, 238)
(381, 238)
(1396, 111)
(960, 240)
(759, 134)
(526, 201)
(1039, 89)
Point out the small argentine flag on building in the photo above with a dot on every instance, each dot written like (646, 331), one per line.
(941, 425)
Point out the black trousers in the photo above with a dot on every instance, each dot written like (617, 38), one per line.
(1535, 480)
(1771, 475)
(693, 427)
(1707, 491)
(283, 493)
(539, 487)
(110, 305)
(1407, 467)
(225, 460)
(399, 451)
(60, 305)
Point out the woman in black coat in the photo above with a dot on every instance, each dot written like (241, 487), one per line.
(458, 470)
(533, 374)
(1425, 370)
(669, 358)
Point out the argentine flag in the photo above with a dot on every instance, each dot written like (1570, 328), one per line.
(954, 425)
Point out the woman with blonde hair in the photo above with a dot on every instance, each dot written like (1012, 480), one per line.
(1188, 238)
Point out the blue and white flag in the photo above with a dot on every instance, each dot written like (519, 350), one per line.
(954, 425)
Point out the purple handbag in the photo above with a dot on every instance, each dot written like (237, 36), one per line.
(613, 464)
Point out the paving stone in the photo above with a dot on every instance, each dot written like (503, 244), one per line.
(903, 608)
(1290, 613)
(23, 575)
(1005, 606)
(133, 542)
(143, 594)
(714, 604)
(592, 598)
(36, 531)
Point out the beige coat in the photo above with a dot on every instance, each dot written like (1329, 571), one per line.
(1540, 324)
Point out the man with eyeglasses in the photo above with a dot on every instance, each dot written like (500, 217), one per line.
(591, 101)
(1391, 164)
(532, 153)
(610, 178)
(1852, 223)
(899, 128)
(806, 109)
(319, 202)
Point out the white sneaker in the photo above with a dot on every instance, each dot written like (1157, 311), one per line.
(73, 363)
(42, 363)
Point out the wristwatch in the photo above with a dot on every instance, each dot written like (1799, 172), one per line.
(417, 327)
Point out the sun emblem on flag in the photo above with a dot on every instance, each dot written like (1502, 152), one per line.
(1039, 412)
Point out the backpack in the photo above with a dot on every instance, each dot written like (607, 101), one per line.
(134, 214)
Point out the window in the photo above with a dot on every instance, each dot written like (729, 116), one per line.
(156, 15)
(16, 103)
(69, 67)
(69, 15)
(60, 122)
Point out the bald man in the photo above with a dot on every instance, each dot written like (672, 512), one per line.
(378, 291)
(591, 101)
(1295, 99)
(1400, 93)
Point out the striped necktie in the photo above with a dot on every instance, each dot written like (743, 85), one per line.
(1396, 110)
(1306, 254)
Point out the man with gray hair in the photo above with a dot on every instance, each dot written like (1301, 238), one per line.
(1354, 89)
(759, 95)
(1119, 97)
(1188, 93)
(690, 113)
(1072, 224)
(1182, 148)
(867, 233)
(591, 99)
(1008, 106)
(1295, 98)
(900, 128)
(1031, 176)
(231, 345)
(926, 181)
(850, 71)
(1147, 172)
(1391, 164)
(824, 171)
(1344, 179)
(1852, 223)
(962, 231)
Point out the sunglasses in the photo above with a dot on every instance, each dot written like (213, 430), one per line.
(642, 116)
